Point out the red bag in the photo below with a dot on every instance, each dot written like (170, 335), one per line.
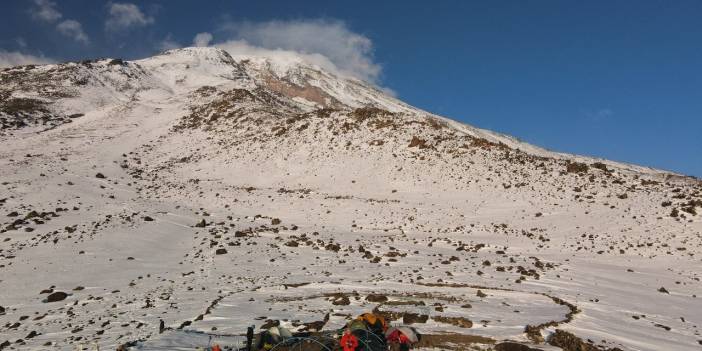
(349, 342)
(398, 337)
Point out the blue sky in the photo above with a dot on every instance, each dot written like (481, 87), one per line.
(613, 79)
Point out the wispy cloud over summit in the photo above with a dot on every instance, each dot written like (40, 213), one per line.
(327, 43)
(202, 39)
(74, 30)
(11, 59)
(45, 10)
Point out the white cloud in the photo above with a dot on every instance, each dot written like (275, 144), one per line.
(74, 30)
(202, 39)
(168, 44)
(11, 59)
(329, 44)
(46, 11)
(126, 15)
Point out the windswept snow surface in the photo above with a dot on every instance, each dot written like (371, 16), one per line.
(215, 192)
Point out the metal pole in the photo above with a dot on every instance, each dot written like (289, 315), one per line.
(249, 337)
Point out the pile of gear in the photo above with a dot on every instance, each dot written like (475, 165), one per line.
(370, 332)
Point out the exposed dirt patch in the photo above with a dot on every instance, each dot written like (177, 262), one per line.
(487, 144)
(417, 142)
(513, 346)
(457, 321)
(412, 318)
(376, 298)
(570, 342)
(453, 341)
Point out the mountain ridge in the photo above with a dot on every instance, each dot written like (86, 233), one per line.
(306, 85)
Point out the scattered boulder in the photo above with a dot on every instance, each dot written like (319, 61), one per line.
(576, 167)
(56, 296)
(341, 300)
(658, 325)
(100, 176)
(32, 214)
(221, 251)
(116, 62)
(333, 247)
(600, 166)
(201, 224)
(316, 325)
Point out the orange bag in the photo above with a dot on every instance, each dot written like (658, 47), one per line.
(374, 320)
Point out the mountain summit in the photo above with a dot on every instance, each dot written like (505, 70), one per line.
(215, 191)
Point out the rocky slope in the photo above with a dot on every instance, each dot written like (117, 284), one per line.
(215, 191)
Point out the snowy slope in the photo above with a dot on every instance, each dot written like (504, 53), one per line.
(216, 191)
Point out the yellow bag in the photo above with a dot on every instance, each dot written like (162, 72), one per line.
(372, 320)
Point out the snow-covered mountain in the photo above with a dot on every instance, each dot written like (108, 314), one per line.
(215, 191)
